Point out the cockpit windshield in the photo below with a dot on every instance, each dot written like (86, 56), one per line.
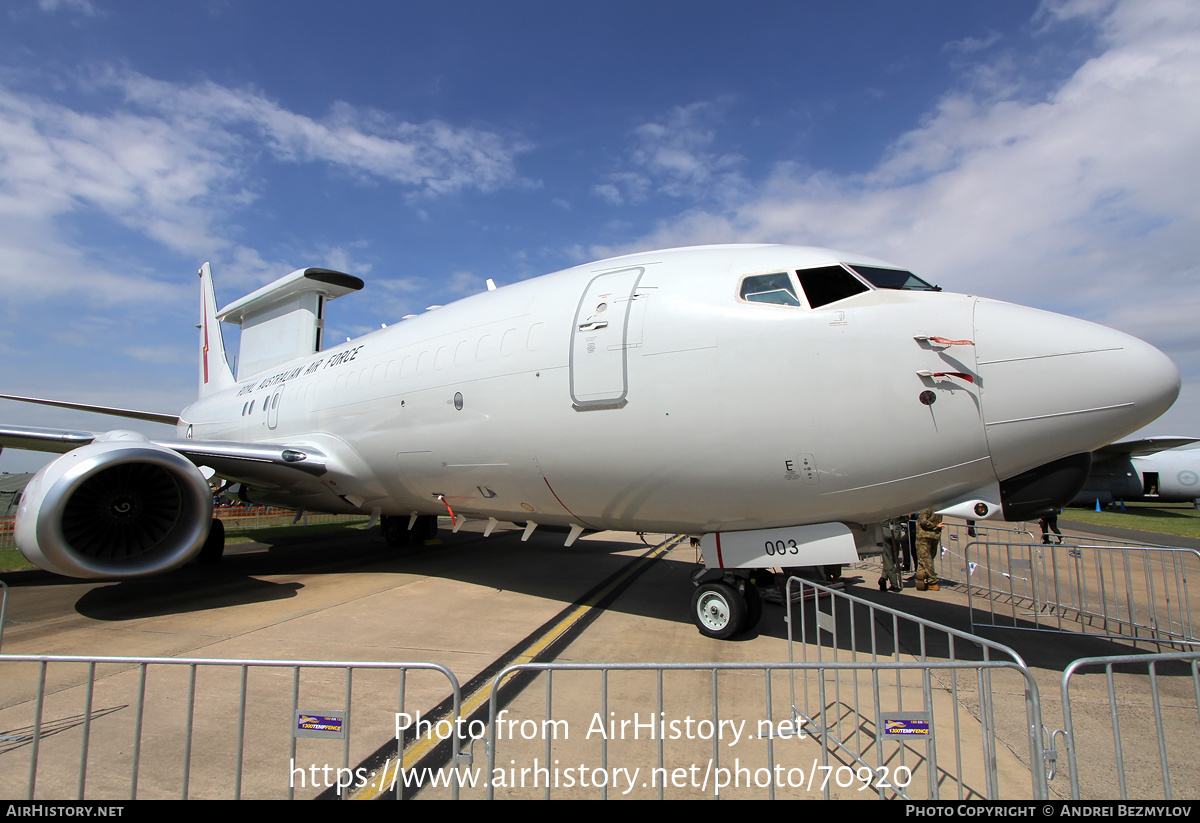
(770, 288)
(822, 285)
(892, 278)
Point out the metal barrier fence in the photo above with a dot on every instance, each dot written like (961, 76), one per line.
(130, 724)
(126, 727)
(1137, 726)
(1108, 588)
(881, 704)
(924, 676)
(1168, 712)
(745, 740)
(260, 517)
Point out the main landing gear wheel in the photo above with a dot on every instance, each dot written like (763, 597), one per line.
(426, 528)
(754, 607)
(397, 533)
(214, 545)
(718, 610)
(395, 530)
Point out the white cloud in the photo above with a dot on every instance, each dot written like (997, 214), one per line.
(433, 157)
(463, 283)
(84, 7)
(170, 164)
(673, 156)
(139, 170)
(970, 45)
(1082, 200)
(609, 193)
(1085, 196)
(170, 355)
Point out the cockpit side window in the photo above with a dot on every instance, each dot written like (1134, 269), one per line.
(770, 288)
(892, 278)
(829, 284)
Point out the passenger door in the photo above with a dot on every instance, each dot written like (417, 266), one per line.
(600, 338)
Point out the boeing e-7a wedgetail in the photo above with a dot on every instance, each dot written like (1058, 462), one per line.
(773, 401)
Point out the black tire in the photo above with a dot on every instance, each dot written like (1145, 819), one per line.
(395, 530)
(214, 545)
(754, 608)
(424, 529)
(718, 610)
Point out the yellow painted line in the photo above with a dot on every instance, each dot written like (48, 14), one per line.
(418, 749)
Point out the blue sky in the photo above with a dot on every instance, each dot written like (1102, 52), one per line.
(1046, 153)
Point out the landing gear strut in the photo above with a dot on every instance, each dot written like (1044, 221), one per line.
(214, 545)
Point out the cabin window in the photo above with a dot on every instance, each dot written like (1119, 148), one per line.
(770, 288)
(537, 334)
(828, 284)
(486, 348)
(892, 278)
(508, 343)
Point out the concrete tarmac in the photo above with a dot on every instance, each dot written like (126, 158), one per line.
(471, 604)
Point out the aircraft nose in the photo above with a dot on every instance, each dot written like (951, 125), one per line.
(1053, 386)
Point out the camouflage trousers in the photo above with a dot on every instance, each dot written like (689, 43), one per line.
(927, 548)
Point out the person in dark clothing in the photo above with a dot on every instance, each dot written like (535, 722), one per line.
(1049, 523)
(894, 535)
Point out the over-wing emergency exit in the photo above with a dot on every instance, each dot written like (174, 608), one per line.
(773, 401)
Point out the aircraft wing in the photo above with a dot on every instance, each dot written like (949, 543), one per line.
(132, 414)
(267, 463)
(249, 461)
(58, 441)
(1141, 448)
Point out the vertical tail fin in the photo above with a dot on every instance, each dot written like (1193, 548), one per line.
(215, 373)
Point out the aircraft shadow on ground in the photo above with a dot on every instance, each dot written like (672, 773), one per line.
(542, 567)
(135, 599)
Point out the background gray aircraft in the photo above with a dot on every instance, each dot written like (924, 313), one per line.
(1163, 469)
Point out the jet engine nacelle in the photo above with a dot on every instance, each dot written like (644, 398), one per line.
(1046, 488)
(119, 507)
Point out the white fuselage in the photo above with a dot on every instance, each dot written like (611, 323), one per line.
(642, 393)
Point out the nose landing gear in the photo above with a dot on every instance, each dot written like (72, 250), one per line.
(725, 605)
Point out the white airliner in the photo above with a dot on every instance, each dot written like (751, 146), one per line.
(1157, 469)
(773, 401)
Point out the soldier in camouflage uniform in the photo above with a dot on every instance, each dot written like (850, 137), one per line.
(894, 532)
(929, 536)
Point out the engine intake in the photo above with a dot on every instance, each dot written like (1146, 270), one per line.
(117, 508)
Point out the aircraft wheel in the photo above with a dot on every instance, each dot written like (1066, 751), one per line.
(754, 608)
(395, 530)
(718, 610)
(214, 544)
(425, 528)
